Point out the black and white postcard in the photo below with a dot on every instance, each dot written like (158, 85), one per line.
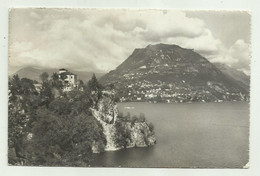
(129, 88)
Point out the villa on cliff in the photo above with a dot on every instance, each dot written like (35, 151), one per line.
(68, 79)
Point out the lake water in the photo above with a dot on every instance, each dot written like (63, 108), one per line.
(208, 135)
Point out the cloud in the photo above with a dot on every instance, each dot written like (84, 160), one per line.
(205, 43)
(18, 47)
(99, 40)
(237, 56)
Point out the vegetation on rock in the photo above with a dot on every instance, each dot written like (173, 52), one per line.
(50, 127)
(134, 131)
(44, 130)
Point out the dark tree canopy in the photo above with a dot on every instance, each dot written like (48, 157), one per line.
(49, 130)
(46, 93)
(22, 103)
(62, 128)
(93, 84)
(27, 87)
(56, 82)
(80, 84)
(44, 77)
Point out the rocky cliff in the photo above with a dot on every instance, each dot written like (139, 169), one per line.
(138, 133)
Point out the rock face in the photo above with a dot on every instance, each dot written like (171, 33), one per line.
(109, 132)
(170, 73)
(107, 114)
(141, 135)
(107, 109)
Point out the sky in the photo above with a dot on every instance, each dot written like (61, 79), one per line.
(98, 40)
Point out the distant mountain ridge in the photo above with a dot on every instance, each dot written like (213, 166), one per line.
(171, 73)
(34, 73)
(239, 76)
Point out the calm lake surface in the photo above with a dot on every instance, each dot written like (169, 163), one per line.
(209, 135)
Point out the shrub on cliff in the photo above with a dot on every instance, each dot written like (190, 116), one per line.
(122, 135)
(142, 117)
(125, 125)
(151, 127)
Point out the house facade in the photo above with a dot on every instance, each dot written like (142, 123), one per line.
(68, 79)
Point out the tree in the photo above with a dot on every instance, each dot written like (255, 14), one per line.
(46, 94)
(94, 89)
(27, 87)
(44, 77)
(62, 130)
(111, 86)
(56, 82)
(14, 85)
(122, 135)
(16, 124)
(128, 116)
(55, 77)
(134, 120)
(80, 85)
(151, 127)
(60, 106)
(22, 103)
(142, 117)
(81, 101)
(93, 84)
(64, 139)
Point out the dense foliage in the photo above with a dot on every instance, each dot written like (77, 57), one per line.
(50, 127)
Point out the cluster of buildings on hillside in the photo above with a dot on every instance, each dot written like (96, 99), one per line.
(154, 92)
(141, 85)
(146, 91)
(180, 69)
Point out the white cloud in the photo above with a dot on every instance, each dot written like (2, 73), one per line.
(99, 40)
(237, 56)
(205, 44)
(18, 47)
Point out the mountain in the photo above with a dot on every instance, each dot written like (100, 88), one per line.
(34, 73)
(170, 73)
(239, 76)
